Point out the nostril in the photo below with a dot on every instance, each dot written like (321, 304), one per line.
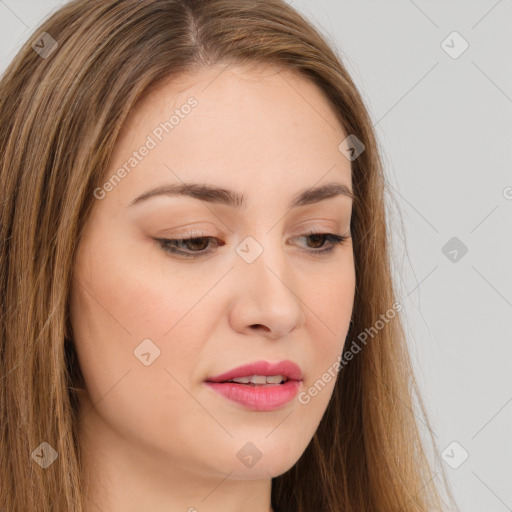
(257, 326)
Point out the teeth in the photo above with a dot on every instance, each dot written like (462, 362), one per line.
(260, 379)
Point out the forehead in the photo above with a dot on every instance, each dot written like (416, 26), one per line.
(257, 128)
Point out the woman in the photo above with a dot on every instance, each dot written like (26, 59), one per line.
(132, 131)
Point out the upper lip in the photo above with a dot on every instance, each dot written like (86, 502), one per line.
(285, 368)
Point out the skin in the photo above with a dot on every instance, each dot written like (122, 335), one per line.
(157, 438)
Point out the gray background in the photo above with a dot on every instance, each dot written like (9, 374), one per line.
(444, 126)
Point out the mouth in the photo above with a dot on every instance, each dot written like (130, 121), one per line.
(261, 373)
(259, 386)
(258, 380)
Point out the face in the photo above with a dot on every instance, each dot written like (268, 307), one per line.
(257, 280)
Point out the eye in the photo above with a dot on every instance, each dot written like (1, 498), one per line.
(199, 246)
(195, 245)
(318, 240)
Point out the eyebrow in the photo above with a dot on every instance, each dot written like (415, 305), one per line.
(223, 196)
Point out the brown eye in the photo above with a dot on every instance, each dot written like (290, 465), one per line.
(317, 240)
(195, 246)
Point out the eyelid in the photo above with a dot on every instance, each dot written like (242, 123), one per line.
(311, 229)
(194, 233)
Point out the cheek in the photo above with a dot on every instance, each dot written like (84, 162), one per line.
(134, 291)
(328, 300)
(115, 312)
(329, 305)
(126, 304)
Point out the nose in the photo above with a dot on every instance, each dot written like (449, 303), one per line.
(266, 295)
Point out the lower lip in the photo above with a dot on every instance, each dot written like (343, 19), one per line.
(258, 398)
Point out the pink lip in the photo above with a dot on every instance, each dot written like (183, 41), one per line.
(259, 398)
(286, 368)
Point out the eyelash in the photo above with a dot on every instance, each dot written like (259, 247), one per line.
(167, 244)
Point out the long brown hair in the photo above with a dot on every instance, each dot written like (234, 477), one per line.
(63, 101)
